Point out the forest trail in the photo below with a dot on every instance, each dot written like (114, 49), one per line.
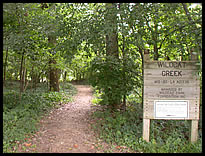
(67, 129)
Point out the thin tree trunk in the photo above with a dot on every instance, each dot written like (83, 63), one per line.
(5, 65)
(190, 19)
(142, 58)
(64, 79)
(124, 75)
(21, 74)
(156, 55)
(187, 12)
(24, 78)
(65, 75)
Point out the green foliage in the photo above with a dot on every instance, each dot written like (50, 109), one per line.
(21, 116)
(97, 96)
(113, 78)
(106, 76)
(125, 129)
(80, 31)
(79, 65)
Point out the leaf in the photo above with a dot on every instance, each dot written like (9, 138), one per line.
(75, 145)
(118, 133)
(27, 144)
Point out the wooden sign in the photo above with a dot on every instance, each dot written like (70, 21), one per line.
(171, 92)
(173, 81)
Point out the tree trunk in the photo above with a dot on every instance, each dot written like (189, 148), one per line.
(112, 46)
(34, 80)
(124, 75)
(53, 72)
(156, 55)
(54, 83)
(112, 36)
(27, 82)
(191, 20)
(5, 65)
(64, 79)
(142, 58)
(53, 75)
(24, 77)
(22, 74)
(65, 75)
(187, 12)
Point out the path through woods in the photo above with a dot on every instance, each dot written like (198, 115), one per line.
(67, 129)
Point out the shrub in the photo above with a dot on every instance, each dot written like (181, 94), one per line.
(113, 78)
(125, 129)
(21, 116)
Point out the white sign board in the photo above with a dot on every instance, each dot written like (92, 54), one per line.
(170, 109)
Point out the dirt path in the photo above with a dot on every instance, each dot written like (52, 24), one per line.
(67, 129)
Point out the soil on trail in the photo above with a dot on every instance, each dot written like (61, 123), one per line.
(67, 129)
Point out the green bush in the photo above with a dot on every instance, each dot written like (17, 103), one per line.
(125, 129)
(113, 78)
(11, 100)
(20, 115)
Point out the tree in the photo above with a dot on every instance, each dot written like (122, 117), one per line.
(111, 34)
(42, 41)
(112, 49)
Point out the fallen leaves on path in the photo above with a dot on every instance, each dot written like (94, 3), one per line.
(75, 145)
(68, 129)
(27, 144)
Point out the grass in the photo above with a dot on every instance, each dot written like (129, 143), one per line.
(22, 113)
(125, 129)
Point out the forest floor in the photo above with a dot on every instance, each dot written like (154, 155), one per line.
(68, 129)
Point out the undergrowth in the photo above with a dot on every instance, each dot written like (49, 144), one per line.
(22, 113)
(125, 129)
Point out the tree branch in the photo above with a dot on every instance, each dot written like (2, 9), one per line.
(187, 12)
(148, 24)
(169, 34)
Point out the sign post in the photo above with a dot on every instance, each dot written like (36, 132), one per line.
(171, 92)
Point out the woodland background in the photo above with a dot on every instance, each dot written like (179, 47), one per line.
(47, 45)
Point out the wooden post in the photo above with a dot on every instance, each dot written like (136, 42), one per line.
(194, 131)
(193, 55)
(146, 122)
(146, 127)
(146, 55)
(194, 123)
